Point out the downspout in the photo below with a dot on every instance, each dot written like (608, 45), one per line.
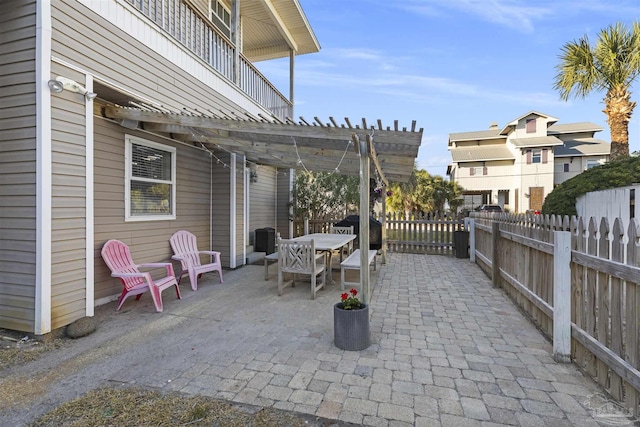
(246, 208)
(210, 203)
(290, 219)
(42, 315)
(89, 203)
(232, 211)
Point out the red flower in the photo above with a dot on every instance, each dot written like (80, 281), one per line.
(350, 302)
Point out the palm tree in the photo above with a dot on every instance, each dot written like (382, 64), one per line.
(611, 65)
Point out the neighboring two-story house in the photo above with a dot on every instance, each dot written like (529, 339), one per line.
(518, 165)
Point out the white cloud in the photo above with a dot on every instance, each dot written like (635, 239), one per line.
(513, 14)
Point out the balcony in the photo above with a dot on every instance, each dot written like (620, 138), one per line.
(204, 40)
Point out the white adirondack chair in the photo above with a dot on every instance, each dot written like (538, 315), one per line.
(185, 249)
(300, 257)
(343, 230)
(117, 256)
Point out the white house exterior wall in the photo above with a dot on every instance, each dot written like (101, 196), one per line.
(577, 165)
(499, 175)
(521, 128)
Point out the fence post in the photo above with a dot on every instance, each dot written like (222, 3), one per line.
(495, 267)
(562, 296)
(472, 240)
(306, 226)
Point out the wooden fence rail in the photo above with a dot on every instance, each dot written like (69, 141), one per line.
(416, 233)
(522, 254)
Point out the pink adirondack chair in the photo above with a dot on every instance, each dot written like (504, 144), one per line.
(185, 248)
(118, 258)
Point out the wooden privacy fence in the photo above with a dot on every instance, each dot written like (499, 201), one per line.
(429, 233)
(579, 282)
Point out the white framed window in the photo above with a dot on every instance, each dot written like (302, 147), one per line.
(478, 170)
(150, 180)
(530, 125)
(220, 16)
(536, 156)
(593, 163)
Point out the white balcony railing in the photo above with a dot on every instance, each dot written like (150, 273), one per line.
(202, 38)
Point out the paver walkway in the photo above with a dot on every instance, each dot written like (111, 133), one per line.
(448, 350)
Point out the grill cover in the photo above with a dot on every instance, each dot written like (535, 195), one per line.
(375, 229)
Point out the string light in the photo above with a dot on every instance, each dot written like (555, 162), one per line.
(299, 162)
(204, 147)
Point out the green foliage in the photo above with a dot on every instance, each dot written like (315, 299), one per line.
(322, 194)
(562, 200)
(610, 65)
(423, 192)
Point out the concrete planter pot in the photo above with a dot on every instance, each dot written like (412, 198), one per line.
(351, 328)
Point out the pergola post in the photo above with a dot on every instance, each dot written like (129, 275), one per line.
(363, 151)
(384, 226)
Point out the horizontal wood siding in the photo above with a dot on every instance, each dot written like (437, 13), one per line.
(262, 202)
(282, 202)
(68, 225)
(148, 240)
(221, 207)
(17, 165)
(84, 38)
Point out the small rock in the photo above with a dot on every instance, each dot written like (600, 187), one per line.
(81, 327)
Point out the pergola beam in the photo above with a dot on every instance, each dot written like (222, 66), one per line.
(317, 145)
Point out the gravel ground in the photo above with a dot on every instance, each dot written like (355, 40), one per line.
(112, 406)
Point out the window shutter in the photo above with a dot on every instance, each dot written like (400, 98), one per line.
(528, 157)
(484, 170)
(472, 171)
(544, 155)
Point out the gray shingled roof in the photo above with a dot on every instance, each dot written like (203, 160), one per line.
(540, 141)
(574, 127)
(475, 135)
(582, 147)
(481, 153)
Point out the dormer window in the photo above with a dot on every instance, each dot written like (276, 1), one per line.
(531, 126)
(221, 17)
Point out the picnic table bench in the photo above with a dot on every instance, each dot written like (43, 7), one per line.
(352, 262)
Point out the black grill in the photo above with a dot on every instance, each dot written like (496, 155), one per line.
(375, 229)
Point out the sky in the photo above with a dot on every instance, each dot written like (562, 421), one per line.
(451, 65)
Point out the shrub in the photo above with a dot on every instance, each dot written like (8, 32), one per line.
(562, 200)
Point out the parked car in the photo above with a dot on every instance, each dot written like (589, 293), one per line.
(489, 208)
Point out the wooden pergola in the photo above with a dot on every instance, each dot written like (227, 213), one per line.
(358, 150)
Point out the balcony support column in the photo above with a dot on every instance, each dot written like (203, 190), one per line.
(292, 56)
(235, 38)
